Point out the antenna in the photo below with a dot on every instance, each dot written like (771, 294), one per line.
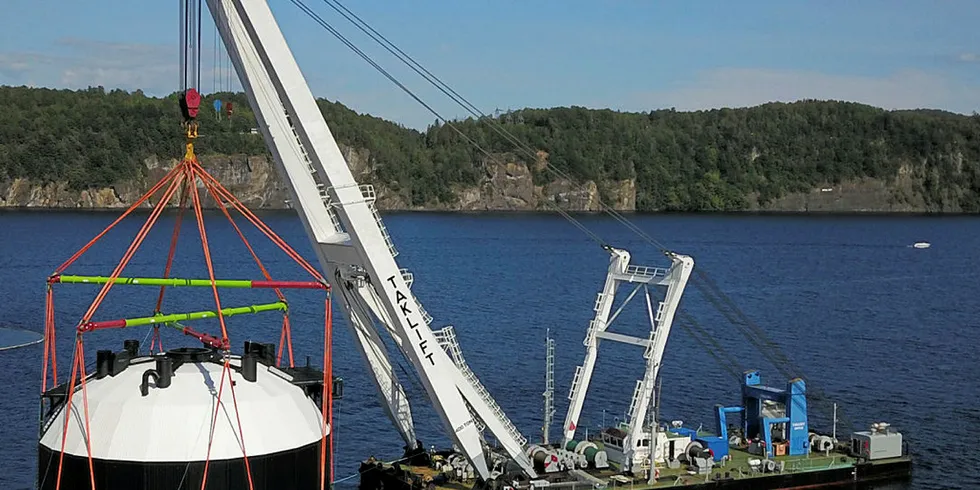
(549, 383)
(835, 423)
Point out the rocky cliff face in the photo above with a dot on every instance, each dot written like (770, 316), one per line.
(504, 187)
(899, 195)
(254, 180)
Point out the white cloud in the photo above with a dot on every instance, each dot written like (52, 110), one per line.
(742, 87)
(80, 63)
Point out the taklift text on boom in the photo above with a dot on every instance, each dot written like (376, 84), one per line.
(403, 305)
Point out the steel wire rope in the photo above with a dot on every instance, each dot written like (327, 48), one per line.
(743, 320)
(25, 344)
(466, 104)
(183, 45)
(500, 130)
(326, 25)
(354, 303)
(762, 343)
(197, 47)
(470, 107)
(454, 95)
(768, 349)
(715, 350)
(214, 63)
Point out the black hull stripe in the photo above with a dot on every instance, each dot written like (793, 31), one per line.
(293, 469)
(854, 477)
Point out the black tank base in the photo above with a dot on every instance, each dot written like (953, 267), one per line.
(286, 470)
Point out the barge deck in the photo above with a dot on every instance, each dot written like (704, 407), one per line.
(834, 469)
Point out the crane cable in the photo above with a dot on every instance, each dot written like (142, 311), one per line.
(448, 91)
(326, 25)
(527, 150)
(704, 284)
(460, 100)
(190, 44)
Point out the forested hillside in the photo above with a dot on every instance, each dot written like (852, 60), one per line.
(728, 159)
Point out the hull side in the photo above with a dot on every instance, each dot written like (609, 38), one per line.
(858, 476)
(862, 475)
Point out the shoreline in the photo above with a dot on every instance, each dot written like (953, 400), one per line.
(515, 212)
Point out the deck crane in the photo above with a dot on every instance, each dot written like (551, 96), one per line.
(353, 245)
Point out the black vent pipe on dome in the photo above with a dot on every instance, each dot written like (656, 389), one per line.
(249, 368)
(132, 346)
(103, 359)
(145, 384)
(165, 371)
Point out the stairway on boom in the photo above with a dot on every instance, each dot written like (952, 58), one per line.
(447, 340)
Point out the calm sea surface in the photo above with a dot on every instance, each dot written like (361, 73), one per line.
(888, 332)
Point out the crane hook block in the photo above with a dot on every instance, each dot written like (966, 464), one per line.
(190, 103)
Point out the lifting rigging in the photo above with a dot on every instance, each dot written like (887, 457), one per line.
(353, 247)
(186, 176)
(192, 182)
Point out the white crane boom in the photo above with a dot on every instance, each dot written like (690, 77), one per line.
(350, 240)
(306, 193)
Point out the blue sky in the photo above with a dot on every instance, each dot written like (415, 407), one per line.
(627, 55)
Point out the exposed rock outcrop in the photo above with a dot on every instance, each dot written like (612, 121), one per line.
(254, 180)
(899, 195)
(506, 186)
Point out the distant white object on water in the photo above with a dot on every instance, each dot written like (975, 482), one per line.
(921, 245)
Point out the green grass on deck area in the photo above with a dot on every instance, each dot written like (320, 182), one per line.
(738, 467)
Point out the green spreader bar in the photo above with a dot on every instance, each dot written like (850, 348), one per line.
(181, 317)
(176, 282)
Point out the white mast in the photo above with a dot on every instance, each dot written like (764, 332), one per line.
(350, 240)
(549, 386)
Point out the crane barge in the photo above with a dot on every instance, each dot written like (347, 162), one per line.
(773, 447)
(358, 257)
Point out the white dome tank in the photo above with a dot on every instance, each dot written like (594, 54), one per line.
(150, 421)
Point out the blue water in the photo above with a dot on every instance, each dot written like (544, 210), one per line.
(886, 331)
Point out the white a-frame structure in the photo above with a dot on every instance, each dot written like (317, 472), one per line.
(352, 244)
(640, 437)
